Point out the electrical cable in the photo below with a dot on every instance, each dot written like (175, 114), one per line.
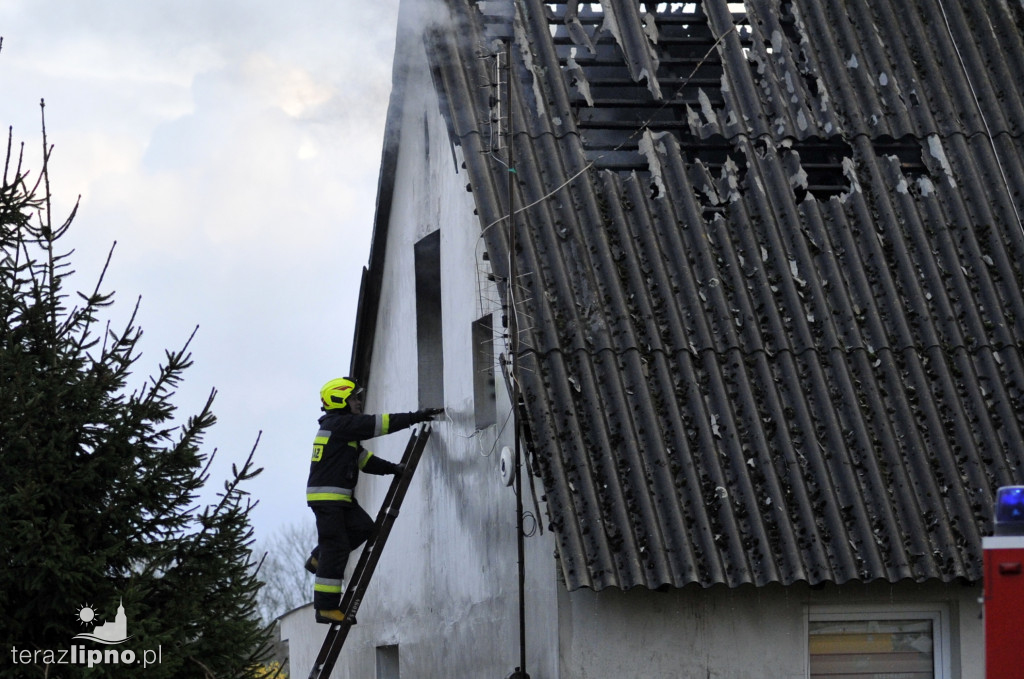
(981, 112)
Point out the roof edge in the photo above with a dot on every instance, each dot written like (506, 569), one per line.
(373, 272)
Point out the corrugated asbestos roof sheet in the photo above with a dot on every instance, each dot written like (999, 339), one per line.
(771, 258)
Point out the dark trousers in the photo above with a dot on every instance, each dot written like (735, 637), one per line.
(340, 528)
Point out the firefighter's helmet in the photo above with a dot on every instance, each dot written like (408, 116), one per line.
(335, 394)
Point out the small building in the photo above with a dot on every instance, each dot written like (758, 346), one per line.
(755, 269)
(299, 640)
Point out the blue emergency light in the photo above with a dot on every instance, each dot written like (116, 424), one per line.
(1010, 510)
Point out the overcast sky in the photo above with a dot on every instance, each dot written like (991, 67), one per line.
(231, 148)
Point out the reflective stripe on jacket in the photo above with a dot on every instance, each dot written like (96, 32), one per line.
(338, 454)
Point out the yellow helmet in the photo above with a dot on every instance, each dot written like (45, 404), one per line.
(334, 394)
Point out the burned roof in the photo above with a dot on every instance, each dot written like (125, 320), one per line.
(770, 257)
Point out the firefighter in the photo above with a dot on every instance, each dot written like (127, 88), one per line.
(338, 457)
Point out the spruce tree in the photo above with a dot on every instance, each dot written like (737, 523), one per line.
(99, 487)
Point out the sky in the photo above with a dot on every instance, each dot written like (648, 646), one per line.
(231, 149)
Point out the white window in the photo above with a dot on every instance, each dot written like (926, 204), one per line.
(878, 642)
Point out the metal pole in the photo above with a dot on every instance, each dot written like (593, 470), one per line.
(514, 343)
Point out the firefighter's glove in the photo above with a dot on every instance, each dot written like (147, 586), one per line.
(427, 414)
(398, 469)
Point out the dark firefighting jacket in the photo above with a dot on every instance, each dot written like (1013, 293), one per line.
(339, 456)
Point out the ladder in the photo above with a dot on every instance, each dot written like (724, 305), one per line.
(364, 568)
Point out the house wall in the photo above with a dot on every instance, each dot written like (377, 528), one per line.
(301, 637)
(445, 591)
(744, 633)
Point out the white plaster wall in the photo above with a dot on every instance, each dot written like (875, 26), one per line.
(303, 637)
(719, 633)
(445, 590)
(744, 633)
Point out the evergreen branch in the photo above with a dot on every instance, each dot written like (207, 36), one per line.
(232, 492)
(47, 226)
(45, 174)
(168, 379)
(83, 318)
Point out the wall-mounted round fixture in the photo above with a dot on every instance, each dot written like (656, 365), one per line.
(507, 466)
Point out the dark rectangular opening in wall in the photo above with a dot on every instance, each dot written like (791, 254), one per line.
(484, 407)
(430, 355)
(387, 662)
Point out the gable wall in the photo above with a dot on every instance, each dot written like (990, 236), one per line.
(445, 590)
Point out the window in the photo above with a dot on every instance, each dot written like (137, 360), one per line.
(427, 255)
(387, 662)
(484, 406)
(890, 642)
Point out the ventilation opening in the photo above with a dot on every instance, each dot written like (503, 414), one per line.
(484, 405)
(430, 354)
(426, 135)
(387, 662)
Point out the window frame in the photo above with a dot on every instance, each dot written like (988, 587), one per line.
(937, 612)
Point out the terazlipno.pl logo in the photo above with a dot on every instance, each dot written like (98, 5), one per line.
(109, 633)
(113, 632)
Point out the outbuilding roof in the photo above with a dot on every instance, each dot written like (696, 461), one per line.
(770, 267)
